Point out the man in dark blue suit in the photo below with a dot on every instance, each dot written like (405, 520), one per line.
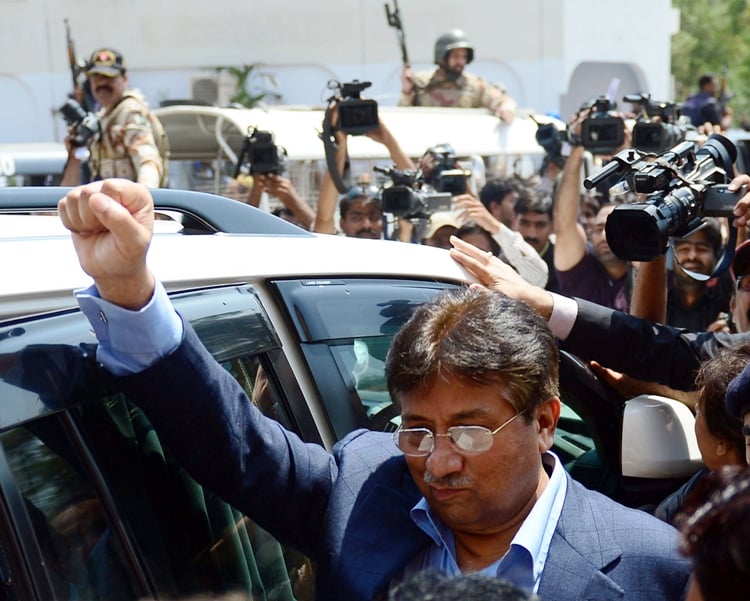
(468, 484)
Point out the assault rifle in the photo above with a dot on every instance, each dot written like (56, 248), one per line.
(81, 92)
(394, 20)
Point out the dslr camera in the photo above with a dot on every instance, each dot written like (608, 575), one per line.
(445, 174)
(260, 155)
(356, 116)
(603, 131)
(409, 196)
(85, 125)
(683, 185)
(659, 125)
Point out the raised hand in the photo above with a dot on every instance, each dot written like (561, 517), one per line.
(112, 222)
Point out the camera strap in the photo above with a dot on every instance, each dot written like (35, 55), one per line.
(342, 181)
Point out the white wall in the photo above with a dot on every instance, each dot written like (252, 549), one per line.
(532, 47)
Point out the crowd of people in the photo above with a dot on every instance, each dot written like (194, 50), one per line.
(475, 367)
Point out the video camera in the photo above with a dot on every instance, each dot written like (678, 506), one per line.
(685, 185)
(85, 125)
(659, 126)
(602, 132)
(356, 116)
(445, 174)
(260, 155)
(409, 196)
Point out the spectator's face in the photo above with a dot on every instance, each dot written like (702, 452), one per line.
(588, 218)
(708, 444)
(482, 493)
(694, 254)
(481, 241)
(107, 91)
(599, 238)
(503, 210)
(456, 60)
(740, 305)
(535, 228)
(364, 219)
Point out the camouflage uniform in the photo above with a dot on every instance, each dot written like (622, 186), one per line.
(432, 88)
(131, 138)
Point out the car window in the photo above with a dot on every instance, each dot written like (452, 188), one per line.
(345, 328)
(81, 557)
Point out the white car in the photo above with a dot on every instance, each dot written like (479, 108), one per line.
(93, 506)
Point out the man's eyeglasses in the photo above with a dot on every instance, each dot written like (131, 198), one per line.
(420, 442)
(743, 283)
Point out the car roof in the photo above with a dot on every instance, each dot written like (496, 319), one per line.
(45, 272)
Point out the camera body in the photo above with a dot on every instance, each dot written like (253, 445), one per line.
(356, 116)
(260, 155)
(659, 125)
(409, 197)
(602, 132)
(444, 174)
(683, 185)
(85, 125)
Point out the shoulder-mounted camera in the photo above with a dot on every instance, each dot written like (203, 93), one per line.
(659, 125)
(603, 131)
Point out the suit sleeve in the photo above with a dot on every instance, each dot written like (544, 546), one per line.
(204, 417)
(642, 349)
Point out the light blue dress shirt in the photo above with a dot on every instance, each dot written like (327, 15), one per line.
(524, 561)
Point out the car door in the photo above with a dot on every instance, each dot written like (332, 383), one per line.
(93, 505)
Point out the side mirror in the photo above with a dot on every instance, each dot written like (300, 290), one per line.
(658, 439)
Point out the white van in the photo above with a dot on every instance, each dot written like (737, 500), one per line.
(206, 141)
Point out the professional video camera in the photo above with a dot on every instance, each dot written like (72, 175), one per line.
(602, 132)
(356, 116)
(445, 174)
(659, 125)
(684, 186)
(260, 155)
(85, 125)
(409, 196)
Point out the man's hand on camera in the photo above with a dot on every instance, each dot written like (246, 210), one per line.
(742, 208)
(112, 222)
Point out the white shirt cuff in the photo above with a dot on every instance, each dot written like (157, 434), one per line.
(563, 317)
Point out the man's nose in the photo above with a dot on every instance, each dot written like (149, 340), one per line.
(444, 459)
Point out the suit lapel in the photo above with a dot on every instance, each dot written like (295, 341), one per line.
(580, 549)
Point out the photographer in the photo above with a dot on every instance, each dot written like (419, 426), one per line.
(360, 209)
(130, 143)
(449, 85)
(282, 188)
(587, 270)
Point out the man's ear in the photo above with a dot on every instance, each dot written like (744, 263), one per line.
(547, 414)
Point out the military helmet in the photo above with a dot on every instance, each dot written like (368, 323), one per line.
(451, 40)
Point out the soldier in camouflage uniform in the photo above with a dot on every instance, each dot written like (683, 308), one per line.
(449, 85)
(131, 143)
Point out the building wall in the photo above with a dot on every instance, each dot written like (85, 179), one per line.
(533, 48)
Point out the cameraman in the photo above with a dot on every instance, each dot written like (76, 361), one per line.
(587, 270)
(302, 214)
(449, 85)
(131, 143)
(360, 210)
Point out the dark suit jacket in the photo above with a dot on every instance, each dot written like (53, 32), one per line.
(642, 349)
(349, 511)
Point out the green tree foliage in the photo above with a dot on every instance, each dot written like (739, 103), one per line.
(713, 39)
